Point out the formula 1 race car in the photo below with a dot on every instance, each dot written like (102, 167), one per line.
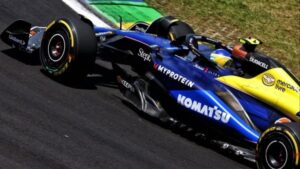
(241, 99)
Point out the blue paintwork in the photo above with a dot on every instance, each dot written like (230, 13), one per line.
(204, 92)
(262, 114)
(208, 97)
(140, 36)
(205, 85)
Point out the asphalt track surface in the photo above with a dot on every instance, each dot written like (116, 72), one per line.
(45, 124)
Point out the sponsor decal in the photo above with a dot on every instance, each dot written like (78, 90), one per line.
(207, 70)
(282, 86)
(211, 112)
(125, 83)
(259, 63)
(175, 76)
(268, 80)
(144, 55)
(14, 39)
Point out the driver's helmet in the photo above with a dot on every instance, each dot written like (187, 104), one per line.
(221, 57)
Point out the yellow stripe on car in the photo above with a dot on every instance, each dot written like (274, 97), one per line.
(70, 32)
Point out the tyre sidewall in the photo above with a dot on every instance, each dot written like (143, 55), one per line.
(278, 135)
(60, 67)
(81, 53)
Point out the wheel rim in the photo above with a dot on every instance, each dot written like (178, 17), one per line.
(56, 47)
(276, 155)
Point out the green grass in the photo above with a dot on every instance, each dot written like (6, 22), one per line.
(275, 22)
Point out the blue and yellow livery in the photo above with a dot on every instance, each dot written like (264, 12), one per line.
(242, 100)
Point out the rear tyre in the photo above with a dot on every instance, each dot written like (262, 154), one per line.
(68, 49)
(170, 28)
(278, 147)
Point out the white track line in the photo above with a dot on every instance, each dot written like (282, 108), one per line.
(80, 9)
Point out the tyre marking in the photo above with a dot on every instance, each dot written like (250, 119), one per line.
(296, 146)
(171, 36)
(267, 131)
(263, 135)
(70, 32)
(50, 25)
(62, 70)
(174, 20)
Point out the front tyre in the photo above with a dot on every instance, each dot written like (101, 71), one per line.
(278, 147)
(68, 49)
